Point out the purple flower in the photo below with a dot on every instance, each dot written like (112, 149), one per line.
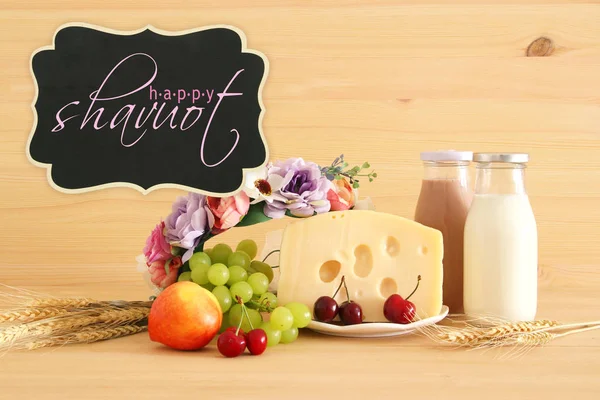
(303, 190)
(189, 222)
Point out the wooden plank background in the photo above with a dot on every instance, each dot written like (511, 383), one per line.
(375, 80)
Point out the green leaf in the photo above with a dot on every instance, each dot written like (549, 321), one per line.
(366, 165)
(255, 215)
(338, 177)
(374, 174)
(167, 264)
(355, 185)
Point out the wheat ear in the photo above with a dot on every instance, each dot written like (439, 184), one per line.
(88, 336)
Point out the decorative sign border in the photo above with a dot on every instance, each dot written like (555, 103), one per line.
(140, 189)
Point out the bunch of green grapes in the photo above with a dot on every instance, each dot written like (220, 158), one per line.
(234, 277)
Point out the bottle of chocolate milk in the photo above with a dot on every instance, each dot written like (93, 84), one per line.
(443, 204)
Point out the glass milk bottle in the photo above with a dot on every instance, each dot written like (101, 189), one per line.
(443, 204)
(501, 244)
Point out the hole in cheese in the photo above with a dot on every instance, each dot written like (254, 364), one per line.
(388, 287)
(329, 270)
(392, 246)
(364, 261)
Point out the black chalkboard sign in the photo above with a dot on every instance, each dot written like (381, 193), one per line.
(148, 109)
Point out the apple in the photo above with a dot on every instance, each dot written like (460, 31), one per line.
(184, 316)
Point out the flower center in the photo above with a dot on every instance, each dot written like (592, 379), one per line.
(263, 186)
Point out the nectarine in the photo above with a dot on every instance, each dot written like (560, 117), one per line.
(184, 316)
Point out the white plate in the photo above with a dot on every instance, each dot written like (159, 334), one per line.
(375, 329)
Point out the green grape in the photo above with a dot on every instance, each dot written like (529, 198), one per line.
(218, 274)
(289, 336)
(255, 318)
(265, 268)
(208, 286)
(242, 290)
(281, 319)
(199, 259)
(239, 258)
(237, 274)
(273, 335)
(208, 252)
(200, 274)
(225, 324)
(301, 314)
(248, 246)
(185, 276)
(220, 253)
(259, 283)
(268, 300)
(222, 294)
(235, 315)
(186, 267)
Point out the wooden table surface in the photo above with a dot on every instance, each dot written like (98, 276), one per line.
(315, 366)
(377, 80)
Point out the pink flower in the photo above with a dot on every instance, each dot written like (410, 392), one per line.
(341, 196)
(157, 248)
(158, 272)
(228, 211)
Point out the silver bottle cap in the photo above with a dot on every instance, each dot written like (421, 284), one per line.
(517, 158)
(447, 155)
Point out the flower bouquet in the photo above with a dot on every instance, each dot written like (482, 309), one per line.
(293, 187)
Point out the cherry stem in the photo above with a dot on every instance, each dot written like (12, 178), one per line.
(340, 286)
(416, 287)
(346, 287)
(239, 300)
(267, 256)
(245, 310)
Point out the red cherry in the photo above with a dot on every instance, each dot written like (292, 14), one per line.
(351, 313)
(230, 344)
(326, 308)
(234, 329)
(398, 310)
(256, 340)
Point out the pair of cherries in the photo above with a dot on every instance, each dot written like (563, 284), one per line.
(395, 309)
(234, 340)
(326, 308)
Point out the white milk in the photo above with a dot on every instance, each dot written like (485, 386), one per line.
(500, 257)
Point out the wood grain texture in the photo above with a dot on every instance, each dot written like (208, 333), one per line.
(379, 81)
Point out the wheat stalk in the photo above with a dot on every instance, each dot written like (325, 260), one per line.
(75, 302)
(60, 320)
(522, 336)
(109, 317)
(31, 314)
(88, 336)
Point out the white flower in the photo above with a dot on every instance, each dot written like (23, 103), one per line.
(142, 267)
(142, 264)
(261, 186)
(365, 204)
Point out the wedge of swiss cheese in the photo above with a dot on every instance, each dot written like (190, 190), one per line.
(379, 254)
